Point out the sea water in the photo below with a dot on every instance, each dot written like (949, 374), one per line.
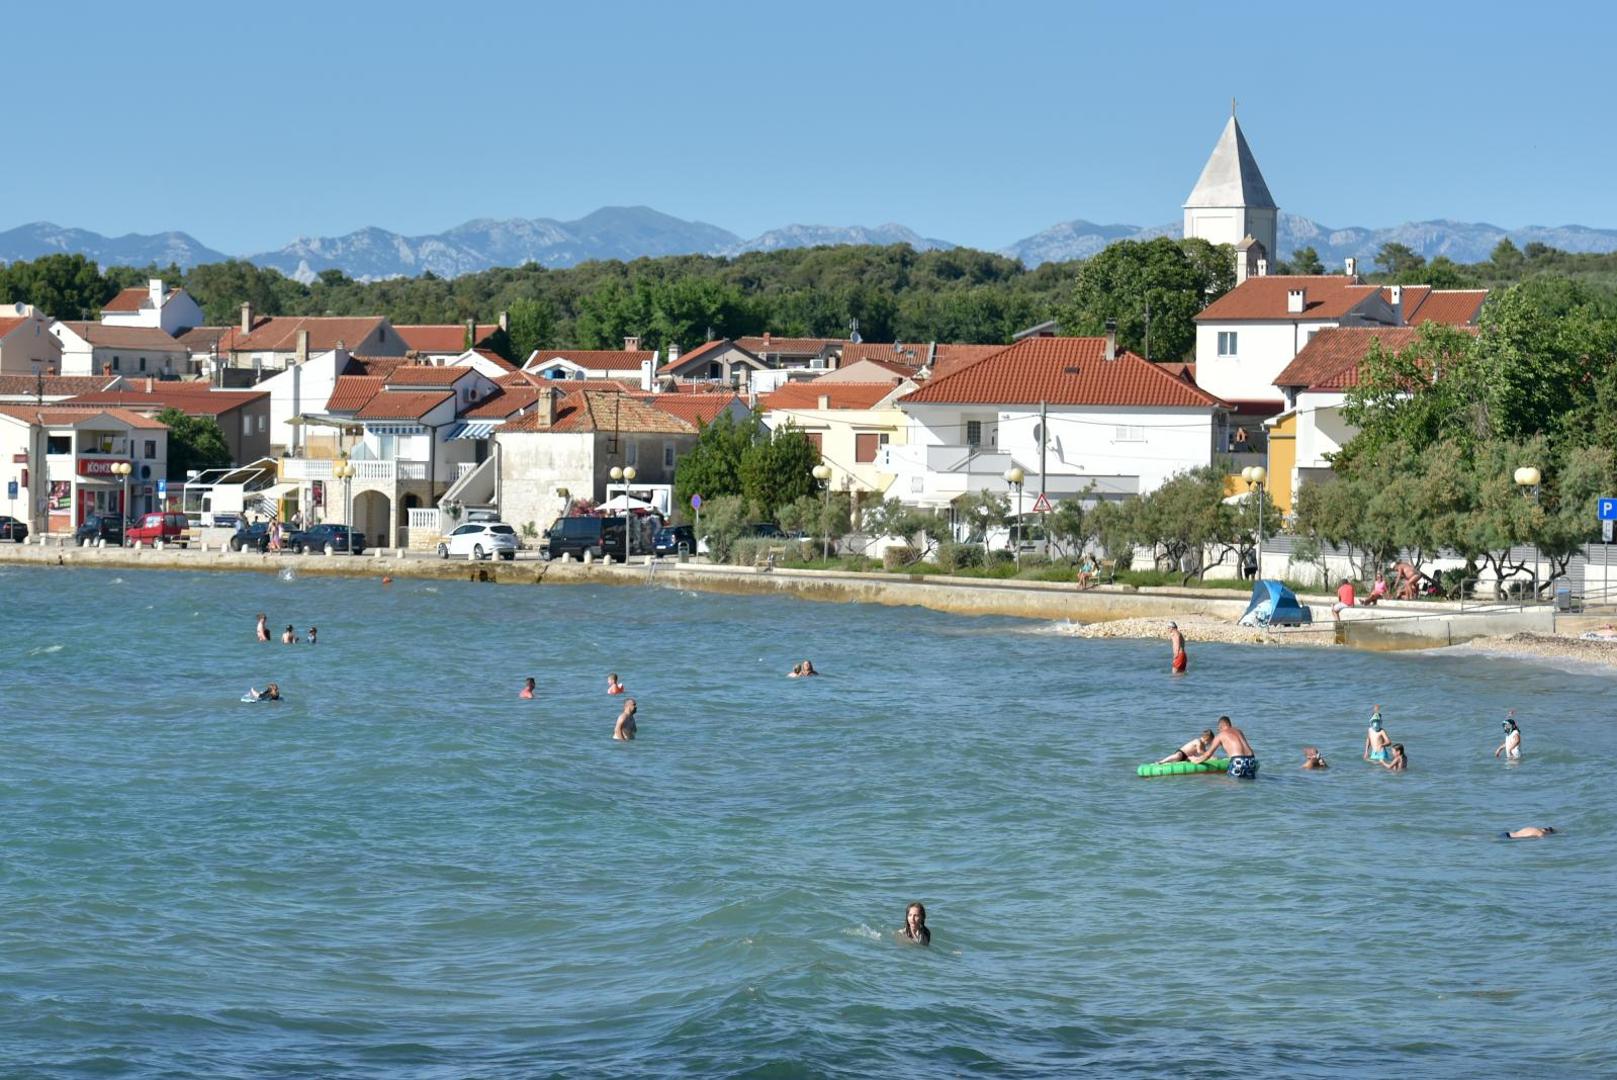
(405, 871)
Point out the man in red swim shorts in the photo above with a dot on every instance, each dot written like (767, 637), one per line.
(1177, 640)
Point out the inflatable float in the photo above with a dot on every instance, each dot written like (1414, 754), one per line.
(1182, 768)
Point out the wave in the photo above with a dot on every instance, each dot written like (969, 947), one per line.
(44, 649)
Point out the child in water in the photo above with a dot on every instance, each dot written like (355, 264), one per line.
(1312, 760)
(289, 636)
(1376, 741)
(1398, 763)
(612, 684)
(1512, 746)
(313, 631)
(915, 925)
(802, 671)
(526, 693)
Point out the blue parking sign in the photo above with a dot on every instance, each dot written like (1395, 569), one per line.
(162, 487)
(1608, 509)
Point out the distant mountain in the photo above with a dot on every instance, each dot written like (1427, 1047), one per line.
(1079, 240)
(133, 249)
(799, 236)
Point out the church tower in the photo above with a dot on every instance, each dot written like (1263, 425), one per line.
(1231, 204)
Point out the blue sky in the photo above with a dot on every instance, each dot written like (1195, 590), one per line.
(977, 123)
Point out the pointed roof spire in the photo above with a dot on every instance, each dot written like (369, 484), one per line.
(1231, 176)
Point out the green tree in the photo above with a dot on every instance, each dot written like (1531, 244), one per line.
(1173, 280)
(779, 470)
(712, 468)
(194, 442)
(533, 326)
(1399, 259)
(724, 520)
(59, 286)
(1305, 260)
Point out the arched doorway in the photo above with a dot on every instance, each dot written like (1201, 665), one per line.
(373, 517)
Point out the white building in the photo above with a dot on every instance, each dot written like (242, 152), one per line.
(629, 362)
(1231, 203)
(1114, 424)
(98, 348)
(27, 346)
(261, 346)
(62, 460)
(156, 307)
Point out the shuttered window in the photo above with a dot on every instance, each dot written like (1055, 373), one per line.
(865, 446)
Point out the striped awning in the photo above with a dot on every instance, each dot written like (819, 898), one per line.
(472, 429)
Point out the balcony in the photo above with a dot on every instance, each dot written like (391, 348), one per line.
(366, 471)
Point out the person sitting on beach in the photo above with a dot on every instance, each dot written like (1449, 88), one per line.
(1176, 641)
(915, 925)
(1378, 591)
(528, 686)
(1512, 746)
(1312, 759)
(1190, 749)
(313, 632)
(289, 636)
(272, 692)
(612, 684)
(1344, 598)
(624, 729)
(1231, 740)
(263, 627)
(1398, 762)
(1531, 832)
(1376, 741)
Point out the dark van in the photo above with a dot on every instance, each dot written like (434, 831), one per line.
(576, 535)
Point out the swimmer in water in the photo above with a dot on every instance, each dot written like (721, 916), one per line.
(1190, 749)
(1531, 832)
(263, 627)
(1176, 640)
(612, 684)
(1312, 760)
(289, 636)
(1512, 746)
(624, 729)
(1398, 762)
(526, 693)
(1377, 741)
(272, 692)
(915, 925)
(313, 631)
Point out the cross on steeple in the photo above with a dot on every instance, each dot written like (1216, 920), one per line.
(1232, 106)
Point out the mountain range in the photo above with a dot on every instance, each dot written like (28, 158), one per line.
(617, 232)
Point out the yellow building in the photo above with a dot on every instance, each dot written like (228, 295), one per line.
(849, 422)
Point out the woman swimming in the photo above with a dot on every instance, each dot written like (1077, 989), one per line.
(915, 925)
(528, 687)
(1531, 832)
(272, 692)
(263, 627)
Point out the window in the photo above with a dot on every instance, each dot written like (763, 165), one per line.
(668, 455)
(151, 450)
(865, 445)
(1129, 433)
(631, 452)
(263, 424)
(1226, 342)
(58, 444)
(143, 363)
(817, 438)
(116, 364)
(974, 432)
(247, 425)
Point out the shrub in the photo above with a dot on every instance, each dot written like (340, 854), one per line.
(899, 557)
(753, 550)
(953, 557)
(1000, 557)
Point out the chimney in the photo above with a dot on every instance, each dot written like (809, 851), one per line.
(505, 321)
(544, 408)
(471, 332)
(673, 352)
(1296, 301)
(1352, 266)
(1111, 339)
(302, 356)
(247, 317)
(154, 289)
(1395, 296)
(766, 339)
(149, 386)
(631, 344)
(823, 402)
(648, 375)
(1263, 267)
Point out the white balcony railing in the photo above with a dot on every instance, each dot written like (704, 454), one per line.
(365, 470)
(462, 468)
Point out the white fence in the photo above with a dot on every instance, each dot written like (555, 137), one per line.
(385, 472)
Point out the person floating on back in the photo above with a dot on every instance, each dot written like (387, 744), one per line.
(1190, 749)
(915, 925)
(526, 693)
(624, 729)
(1531, 832)
(1229, 738)
(1312, 759)
(1377, 743)
(1512, 746)
(1176, 640)
(612, 684)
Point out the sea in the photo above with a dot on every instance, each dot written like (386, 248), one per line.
(404, 870)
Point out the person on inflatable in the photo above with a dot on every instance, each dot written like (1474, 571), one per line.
(1377, 742)
(1190, 749)
(1512, 746)
(1231, 740)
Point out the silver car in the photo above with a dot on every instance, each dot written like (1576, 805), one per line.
(481, 540)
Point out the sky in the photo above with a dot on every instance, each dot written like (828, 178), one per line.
(975, 123)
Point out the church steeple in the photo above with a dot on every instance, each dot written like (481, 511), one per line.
(1231, 201)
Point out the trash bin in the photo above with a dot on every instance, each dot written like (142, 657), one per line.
(1563, 598)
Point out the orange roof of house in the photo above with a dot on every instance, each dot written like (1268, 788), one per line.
(193, 399)
(134, 298)
(402, 405)
(426, 375)
(10, 324)
(1062, 371)
(528, 378)
(795, 346)
(350, 393)
(697, 409)
(1327, 296)
(204, 338)
(489, 354)
(57, 416)
(588, 411)
(148, 338)
(950, 357)
(839, 395)
(280, 333)
(378, 365)
(1331, 358)
(701, 350)
(56, 385)
(502, 403)
(896, 354)
(607, 359)
(1451, 307)
(442, 337)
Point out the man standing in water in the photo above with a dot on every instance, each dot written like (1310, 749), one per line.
(1229, 738)
(624, 729)
(1177, 640)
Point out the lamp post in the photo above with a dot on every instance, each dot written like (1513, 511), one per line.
(627, 475)
(123, 469)
(1255, 475)
(822, 473)
(344, 471)
(1014, 477)
(1527, 478)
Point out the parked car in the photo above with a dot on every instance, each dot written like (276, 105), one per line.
(108, 527)
(12, 529)
(764, 530)
(480, 540)
(319, 537)
(164, 528)
(576, 535)
(670, 538)
(256, 537)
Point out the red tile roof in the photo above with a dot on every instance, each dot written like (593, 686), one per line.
(528, 378)
(1327, 296)
(280, 333)
(8, 325)
(588, 411)
(442, 338)
(377, 365)
(839, 395)
(898, 354)
(695, 409)
(402, 405)
(1451, 307)
(1062, 371)
(56, 416)
(502, 403)
(1330, 361)
(791, 346)
(128, 299)
(602, 359)
(350, 393)
(700, 351)
(204, 338)
(426, 375)
(193, 399)
(55, 385)
(146, 338)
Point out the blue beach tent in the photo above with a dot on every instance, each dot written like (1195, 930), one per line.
(1274, 605)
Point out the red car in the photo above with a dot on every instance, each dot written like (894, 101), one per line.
(169, 528)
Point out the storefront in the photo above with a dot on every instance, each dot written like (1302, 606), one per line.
(68, 463)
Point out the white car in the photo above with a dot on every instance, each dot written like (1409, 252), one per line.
(481, 540)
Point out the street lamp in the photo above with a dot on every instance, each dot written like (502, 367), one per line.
(627, 475)
(1014, 477)
(1527, 478)
(344, 471)
(123, 469)
(1255, 475)
(822, 473)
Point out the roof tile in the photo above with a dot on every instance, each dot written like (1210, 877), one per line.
(1062, 371)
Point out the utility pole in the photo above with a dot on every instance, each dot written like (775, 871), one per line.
(1044, 442)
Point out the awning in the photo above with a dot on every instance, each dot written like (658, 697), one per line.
(276, 492)
(471, 429)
